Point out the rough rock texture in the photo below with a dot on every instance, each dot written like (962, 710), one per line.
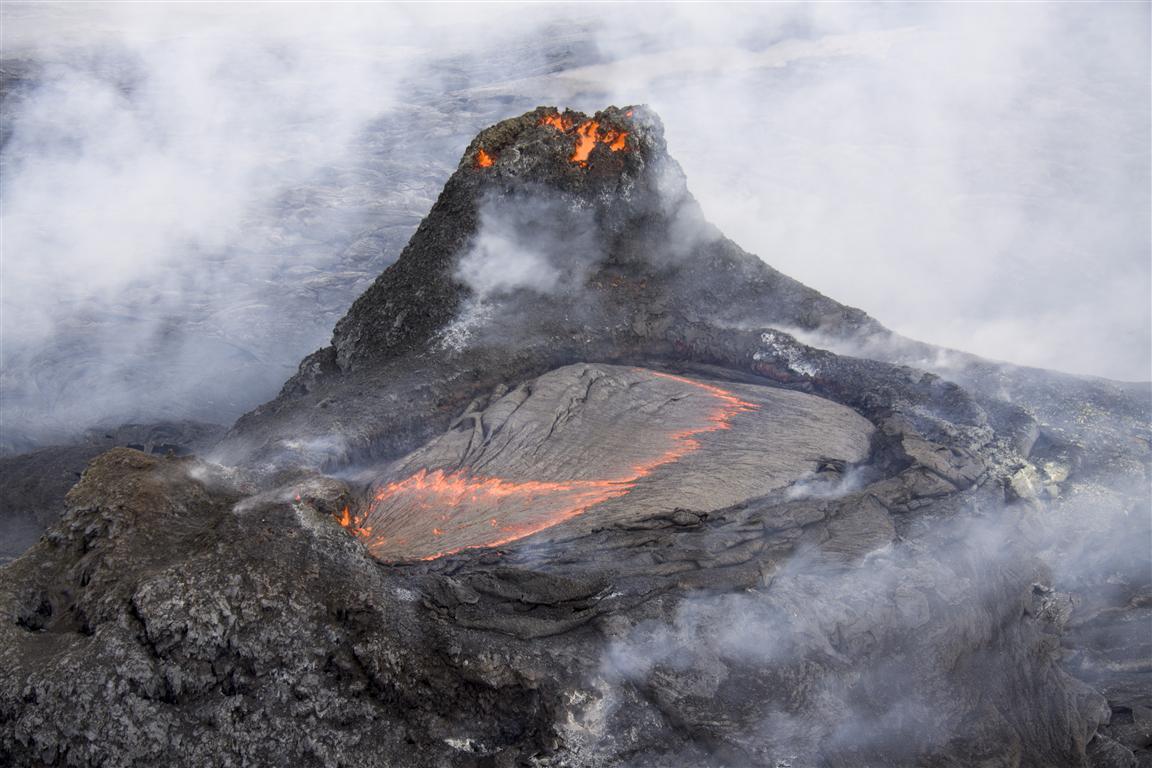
(962, 580)
(642, 273)
(33, 485)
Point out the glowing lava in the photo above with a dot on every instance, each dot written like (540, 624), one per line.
(558, 122)
(588, 134)
(468, 508)
(433, 495)
(483, 159)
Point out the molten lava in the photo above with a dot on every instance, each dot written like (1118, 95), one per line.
(432, 495)
(558, 122)
(588, 134)
(469, 507)
(483, 159)
(354, 523)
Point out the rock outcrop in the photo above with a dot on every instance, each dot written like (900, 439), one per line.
(33, 484)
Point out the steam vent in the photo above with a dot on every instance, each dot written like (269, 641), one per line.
(579, 482)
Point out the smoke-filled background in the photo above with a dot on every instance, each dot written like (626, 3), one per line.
(194, 193)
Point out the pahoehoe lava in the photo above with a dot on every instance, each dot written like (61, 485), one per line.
(583, 436)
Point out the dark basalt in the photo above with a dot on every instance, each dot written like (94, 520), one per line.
(660, 273)
(974, 591)
(33, 484)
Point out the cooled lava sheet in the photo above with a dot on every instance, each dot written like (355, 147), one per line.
(594, 443)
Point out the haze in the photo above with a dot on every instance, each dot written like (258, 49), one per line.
(193, 194)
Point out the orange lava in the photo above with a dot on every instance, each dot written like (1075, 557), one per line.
(427, 500)
(558, 122)
(425, 494)
(588, 134)
(483, 159)
(354, 523)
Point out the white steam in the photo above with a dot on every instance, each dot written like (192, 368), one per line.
(192, 194)
(538, 244)
(502, 260)
(976, 176)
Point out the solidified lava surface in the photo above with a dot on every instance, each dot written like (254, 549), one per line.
(603, 441)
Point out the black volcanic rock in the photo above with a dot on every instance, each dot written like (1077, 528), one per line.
(33, 484)
(926, 569)
(647, 273)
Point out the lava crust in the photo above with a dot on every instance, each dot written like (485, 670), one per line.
(601, 443)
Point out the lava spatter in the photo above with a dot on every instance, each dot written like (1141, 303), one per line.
(588, 133)
(407, 516)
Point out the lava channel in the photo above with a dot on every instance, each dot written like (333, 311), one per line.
(433, 505)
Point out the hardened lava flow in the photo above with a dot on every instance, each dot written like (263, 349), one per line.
(408, 518)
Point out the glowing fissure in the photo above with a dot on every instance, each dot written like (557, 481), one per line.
(483, 159)
(430, 497)
(588, 134)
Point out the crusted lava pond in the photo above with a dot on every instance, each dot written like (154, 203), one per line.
(588, 443)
